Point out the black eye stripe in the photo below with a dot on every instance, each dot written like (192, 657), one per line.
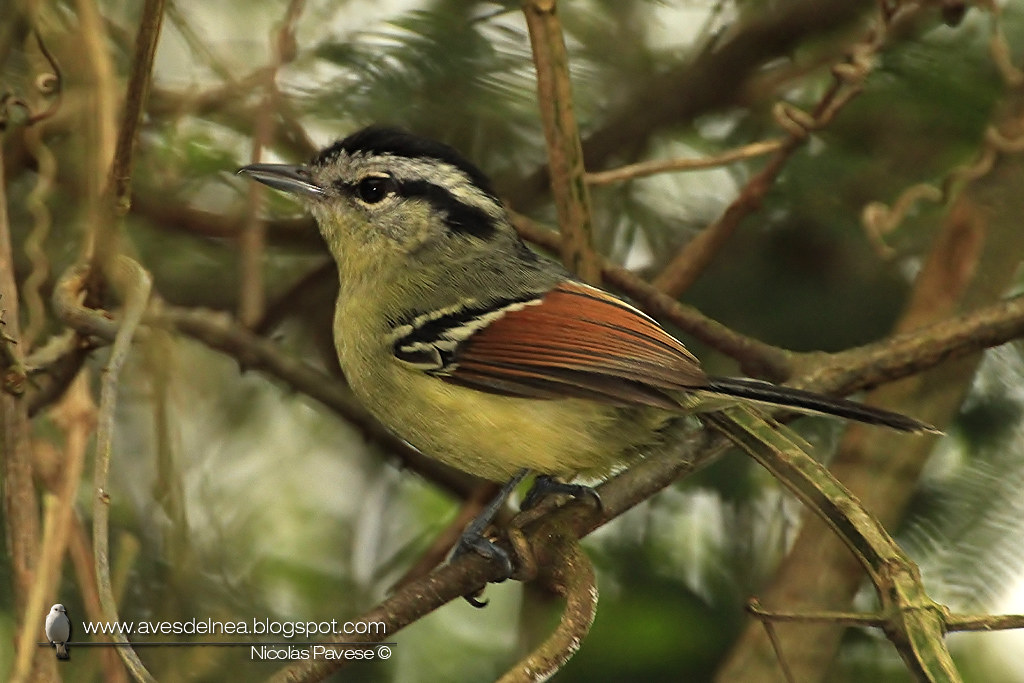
(458, 216)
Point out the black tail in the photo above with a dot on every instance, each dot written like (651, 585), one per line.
(807, 401)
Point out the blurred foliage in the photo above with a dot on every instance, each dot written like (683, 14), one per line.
(235, 499)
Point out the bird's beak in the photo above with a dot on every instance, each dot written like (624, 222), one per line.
(285, 177)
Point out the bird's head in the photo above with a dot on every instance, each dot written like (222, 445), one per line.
(382, 191)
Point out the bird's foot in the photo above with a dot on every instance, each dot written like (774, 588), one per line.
(545, 485)
(473, 539)
(476, 542)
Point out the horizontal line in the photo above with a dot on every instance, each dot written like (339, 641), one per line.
(206, 643)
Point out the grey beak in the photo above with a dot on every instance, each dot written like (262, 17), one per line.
(285, 177)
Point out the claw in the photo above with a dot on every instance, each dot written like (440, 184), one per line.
(479, 604)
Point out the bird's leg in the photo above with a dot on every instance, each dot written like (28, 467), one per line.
(545, 485)
(473, 538)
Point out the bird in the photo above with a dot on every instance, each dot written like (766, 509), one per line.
(58, 630)
(486, 355)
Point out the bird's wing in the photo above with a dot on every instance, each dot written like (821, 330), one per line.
(572, 341)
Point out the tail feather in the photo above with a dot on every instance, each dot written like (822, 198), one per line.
(810, 402)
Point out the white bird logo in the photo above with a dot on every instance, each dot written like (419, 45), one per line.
(58, 630)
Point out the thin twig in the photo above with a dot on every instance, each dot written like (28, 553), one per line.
(85, 572)
(711, 81)
(780, 657)
(136, 283)
(134, 105)
(879, 219)
(847, 618)
(984, 622)
(51, 84)
(916, 623)
(251, 295)
(694, 257)
(646, 168)
(565, 152)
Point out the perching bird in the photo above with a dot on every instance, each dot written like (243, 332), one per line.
(58, 630)
(478, 351)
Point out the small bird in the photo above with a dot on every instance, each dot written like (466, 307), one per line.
(482, 353)
(58, 630)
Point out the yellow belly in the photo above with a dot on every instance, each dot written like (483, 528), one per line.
(494, 436)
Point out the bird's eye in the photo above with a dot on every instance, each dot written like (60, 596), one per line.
(375, 188)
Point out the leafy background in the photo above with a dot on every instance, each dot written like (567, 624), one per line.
(234, 498)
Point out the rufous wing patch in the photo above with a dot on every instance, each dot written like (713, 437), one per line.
(576, 341)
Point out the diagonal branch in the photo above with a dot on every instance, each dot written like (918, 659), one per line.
(914, 622)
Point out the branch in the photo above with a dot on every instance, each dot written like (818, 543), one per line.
(909, 353)
(135, 105)
(251, 296)
(565, 153)
(953, 622)
(21, 506)
(560, 565)
(915, 623)
(136, 284)
(647, 168)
